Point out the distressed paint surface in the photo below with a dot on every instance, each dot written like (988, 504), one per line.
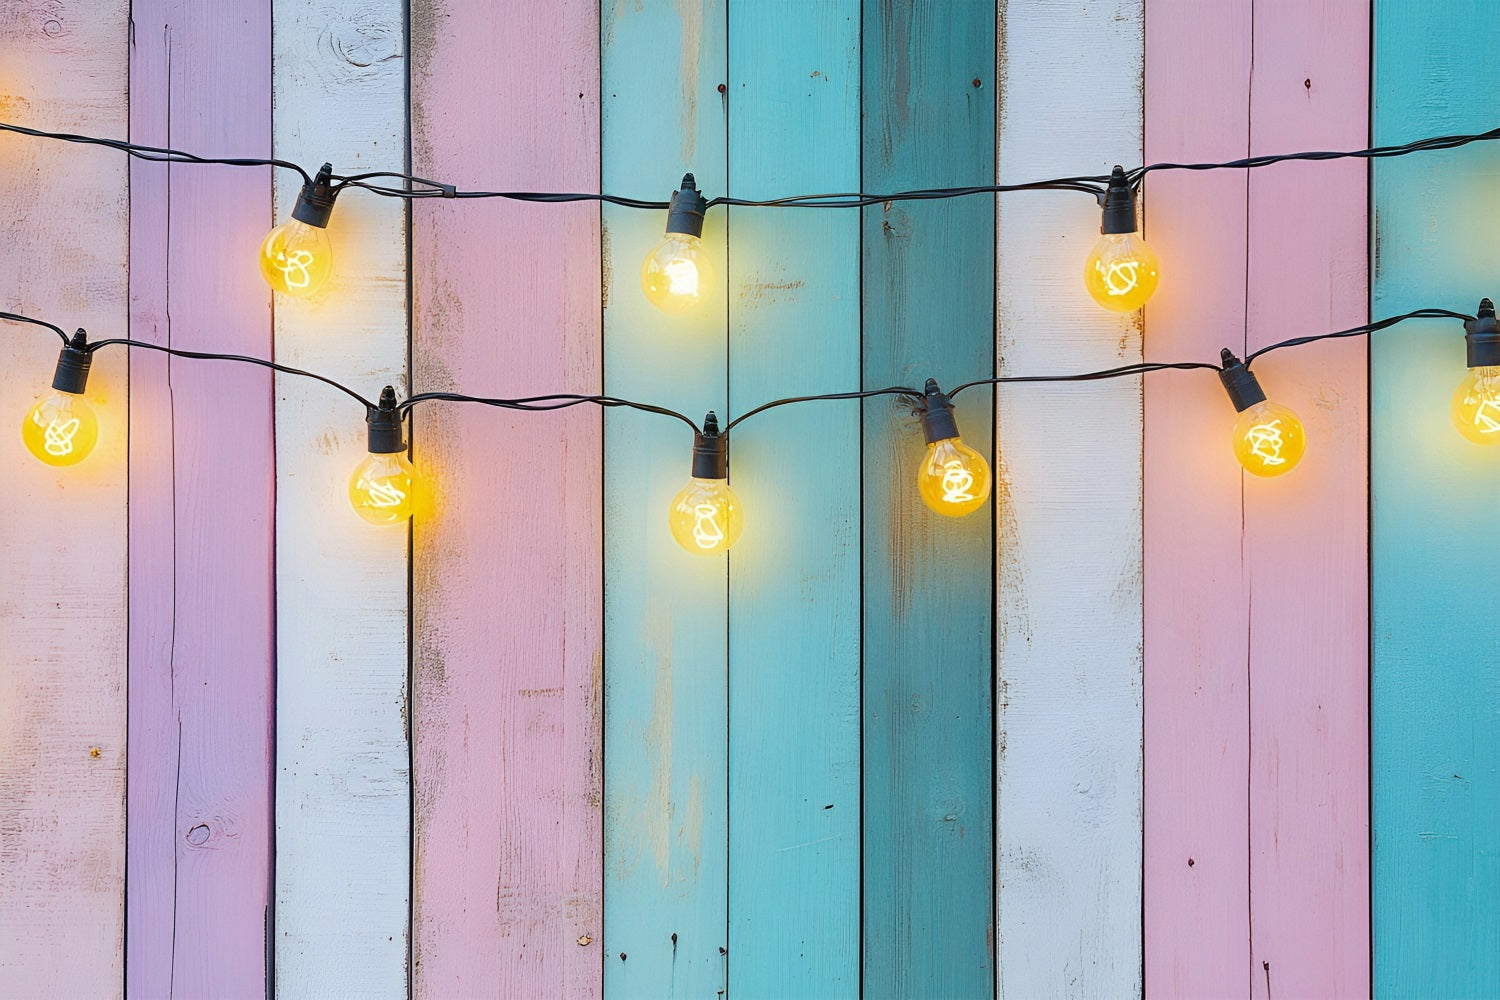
(794, 747)
(666, 634)
(1436, 678)
(63, 592)
(1256, 626)
(928, 301)
(508, 699)
(198, 875)
(342, 775)
(1068, 601)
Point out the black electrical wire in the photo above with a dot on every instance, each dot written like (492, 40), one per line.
(891, 390)
(1358, 331)
(18, 318)
(155, 154)
(558, 401)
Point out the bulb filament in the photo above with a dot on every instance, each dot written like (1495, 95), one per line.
(956, 482)
(298, 261)
(1120, 277)
(385, 493)
(682, 277)
(1486, 423)
(706, 531)
(1265, 443)
(59, 437)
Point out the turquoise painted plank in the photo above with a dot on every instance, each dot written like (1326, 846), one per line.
(794, 750)
(1435, 692)
(666, 632)
(929, 120)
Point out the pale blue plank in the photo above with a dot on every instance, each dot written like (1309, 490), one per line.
(1435, 693)
(928, 296)
(665, 830)
(794, 806)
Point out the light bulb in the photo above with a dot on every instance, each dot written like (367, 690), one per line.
(706, 517)
(677, 275)
(1476, 401)
(385, 488)
(296, 258)
(1268, 439)
(61, 428)
(1121, 271)
(953, 478)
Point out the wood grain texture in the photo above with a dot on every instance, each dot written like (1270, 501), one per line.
(1068, 600)
(343, 768)
(1255, 589)
(794, 747)
(666, 634)
(928, 301)
(1436, 680)
(63, 593)
(201, 510)
(507, 609)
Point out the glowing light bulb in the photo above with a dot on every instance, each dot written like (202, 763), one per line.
(953, 478)
(1268, 439)
(61, 428)
(385, 488)
(1121, 271)
(296, 258)
(1476, 401)
(677, 275)
(705, 516)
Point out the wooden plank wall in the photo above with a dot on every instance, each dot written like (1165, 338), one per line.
(63, 536)
(1436, 679)
(1068, 545)
(508, 587)
(201, 618)
(1256, 628)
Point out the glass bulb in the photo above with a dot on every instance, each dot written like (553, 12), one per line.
(705, 517)
(296, 259)
(953, 478)
(384, 488)
(1121, 271)
(677, 276)
(1476, 406)
(61, 429)
(1268, 439)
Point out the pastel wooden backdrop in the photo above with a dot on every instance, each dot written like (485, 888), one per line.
(1256, 832)
(1068, 540)
(1436, 680)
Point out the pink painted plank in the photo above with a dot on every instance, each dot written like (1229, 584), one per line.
(62, 536)
(508, 590)
(1256, 630)
(201, 497)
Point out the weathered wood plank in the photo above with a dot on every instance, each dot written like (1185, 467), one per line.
(794, 747)
(1436, 677)
(507, 610)
(342, 774)
(1068, 598)
(928, 301)
(666, 752)
(201, 509)
(63, 539)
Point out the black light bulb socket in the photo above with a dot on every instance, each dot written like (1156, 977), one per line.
(1240, 382)
(686, 212)
(315, 202)
(73, 363)
(710, 450)
(1118, 202)
(937, 414)
(1482, 335)
(384, 422)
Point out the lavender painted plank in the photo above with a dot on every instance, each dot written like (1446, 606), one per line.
(62, 595)
(1256, 630)
(1068, 601)
(507, 610)
(201, 499)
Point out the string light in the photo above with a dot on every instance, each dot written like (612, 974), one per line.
(953, 479)
(676, 275)
(61, 428)
(384, 488)
(296, 258)
(705, 516)
(1121, 271)
(1268, 438)
(1476, 401)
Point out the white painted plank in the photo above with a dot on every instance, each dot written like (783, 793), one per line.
(1069, 558)
(343, 842)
